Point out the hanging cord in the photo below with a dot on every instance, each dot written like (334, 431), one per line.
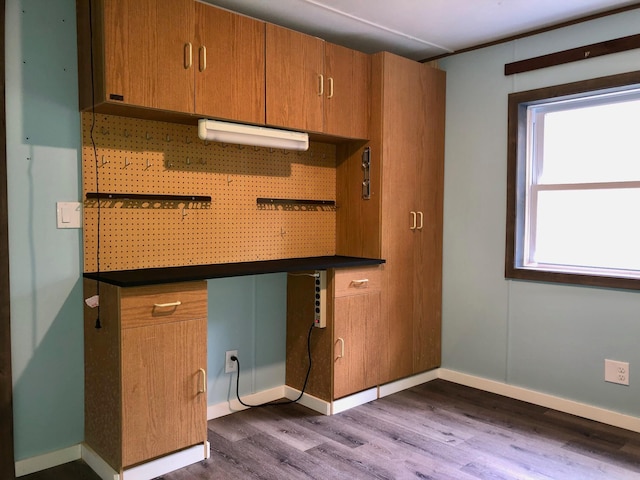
(95, 156)
(288, 402)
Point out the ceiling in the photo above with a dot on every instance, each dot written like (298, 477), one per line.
(418, 29)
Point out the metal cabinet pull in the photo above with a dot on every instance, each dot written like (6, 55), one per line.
(188, 55)
(330, 87)
(204, 381)
(321, 86)
(341, 340)
(203, 58)
(421, 224)
(166, 305)
(414, 221)
(360, 283)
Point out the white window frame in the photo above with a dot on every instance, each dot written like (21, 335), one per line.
(523, 188)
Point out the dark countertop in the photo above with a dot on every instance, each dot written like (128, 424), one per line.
(154, 276)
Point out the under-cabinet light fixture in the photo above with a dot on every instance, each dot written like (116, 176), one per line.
(225, 132)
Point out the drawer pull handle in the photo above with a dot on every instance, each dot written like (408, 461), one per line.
(167, 305)
(204, 381)
(360, 283)
(341, 340)
(421, 217)
(320, 85)
(414, 221)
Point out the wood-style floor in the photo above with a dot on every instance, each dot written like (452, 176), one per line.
(438, 430)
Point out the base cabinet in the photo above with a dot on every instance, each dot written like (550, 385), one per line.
(346, 353)
(145, 377)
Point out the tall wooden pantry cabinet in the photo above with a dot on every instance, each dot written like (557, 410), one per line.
(402, 222)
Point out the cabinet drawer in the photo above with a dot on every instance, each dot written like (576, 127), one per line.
(356, 281)
(155, 304)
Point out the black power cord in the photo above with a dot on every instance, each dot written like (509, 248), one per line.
(233, 358)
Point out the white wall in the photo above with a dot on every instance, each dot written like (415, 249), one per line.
(547, 337)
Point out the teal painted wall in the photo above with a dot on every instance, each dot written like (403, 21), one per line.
(43, 150)
(546, 337)
(43, 135)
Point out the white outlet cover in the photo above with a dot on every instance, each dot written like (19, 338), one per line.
(230, 366)
(616, 372)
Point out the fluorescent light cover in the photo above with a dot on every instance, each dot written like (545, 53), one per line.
(225, 132)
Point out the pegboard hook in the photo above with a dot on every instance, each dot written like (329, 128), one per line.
(126, 162)
(148, 136)
(103, 162)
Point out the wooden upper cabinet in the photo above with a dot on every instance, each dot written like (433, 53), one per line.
(146, 50)
(229, 64)
(347, 79)
(176, 56)
(316, 86)
(294, 79)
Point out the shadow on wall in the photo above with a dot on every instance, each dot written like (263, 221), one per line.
(49, 73)
(48, 396)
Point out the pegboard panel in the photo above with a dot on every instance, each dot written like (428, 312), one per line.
(143, 157)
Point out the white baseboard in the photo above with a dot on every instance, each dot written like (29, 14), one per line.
(149, 470)
(545, 400)
(98, 465)
(403, 384)
(360, 398)
(169, 463)
(226, 408)
(309, 401)
(48, 460)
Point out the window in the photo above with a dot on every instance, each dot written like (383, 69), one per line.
(573, 207)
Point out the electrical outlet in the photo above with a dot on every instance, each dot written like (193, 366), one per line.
(616, 372)
(229, 365)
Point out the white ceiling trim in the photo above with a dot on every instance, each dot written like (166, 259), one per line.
(377, 25)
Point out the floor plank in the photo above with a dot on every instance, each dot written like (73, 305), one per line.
(438, 430)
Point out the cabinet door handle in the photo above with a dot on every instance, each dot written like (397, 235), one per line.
(188, 55)
(204, 381)
(360, 283)
(321, 86)
(341, 340)
(203, 58)
(414, 221)
(421, 224)
(330, 87)
(166, 305)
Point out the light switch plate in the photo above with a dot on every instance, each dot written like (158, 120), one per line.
(69, 214)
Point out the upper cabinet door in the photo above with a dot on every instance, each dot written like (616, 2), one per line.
(229, 63)
(294, 79)
(147, 51)
(347, 84)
